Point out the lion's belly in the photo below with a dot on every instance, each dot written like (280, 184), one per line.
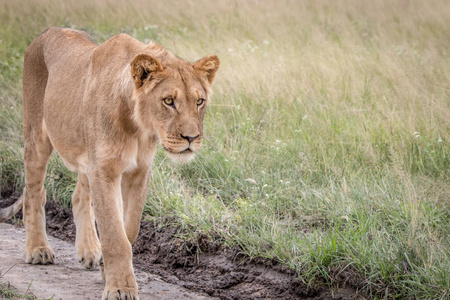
(78, 164)
(69, 147)
(75, 160)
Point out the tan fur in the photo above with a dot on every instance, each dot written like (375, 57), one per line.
(102, 109)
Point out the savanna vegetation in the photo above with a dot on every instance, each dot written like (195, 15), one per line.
(327, 142)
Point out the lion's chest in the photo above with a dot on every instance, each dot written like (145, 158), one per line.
(134, 153)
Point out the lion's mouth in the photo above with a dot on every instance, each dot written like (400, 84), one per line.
(185, 151)
(183, 156)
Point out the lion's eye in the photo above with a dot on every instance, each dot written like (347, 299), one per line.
(168, 101)
(200, 101)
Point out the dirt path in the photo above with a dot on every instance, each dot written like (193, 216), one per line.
(67, 279)
(167, 267)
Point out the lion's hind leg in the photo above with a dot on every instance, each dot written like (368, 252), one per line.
(87, 243)
(37, 151)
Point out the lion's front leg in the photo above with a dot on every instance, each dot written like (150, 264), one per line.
(116, 249)
(87, 243)
(134, 192)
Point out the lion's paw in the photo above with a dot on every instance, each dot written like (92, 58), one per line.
(42, 255)
(120, 294)
(90, 259)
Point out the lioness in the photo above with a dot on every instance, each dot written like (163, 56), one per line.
(104, 109)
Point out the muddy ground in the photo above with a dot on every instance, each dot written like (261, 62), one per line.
(67, 279)
(207, 266)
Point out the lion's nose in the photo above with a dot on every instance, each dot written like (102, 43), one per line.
(190, 138)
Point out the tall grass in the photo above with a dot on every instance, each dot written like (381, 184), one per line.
(328, 137)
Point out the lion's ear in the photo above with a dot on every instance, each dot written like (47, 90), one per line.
(142, 66)
(209, 64)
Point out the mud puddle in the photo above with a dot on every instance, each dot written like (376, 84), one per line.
(205, 266)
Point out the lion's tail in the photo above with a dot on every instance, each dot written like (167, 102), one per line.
(7, 212)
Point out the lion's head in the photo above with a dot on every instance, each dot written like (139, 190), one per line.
(171, 95)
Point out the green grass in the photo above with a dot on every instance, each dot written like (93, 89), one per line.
(9, 292)
(328, 137)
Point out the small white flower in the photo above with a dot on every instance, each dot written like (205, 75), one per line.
(267, 195)
(297, 130)
(439, 140)
(304, 117)
(416, 134)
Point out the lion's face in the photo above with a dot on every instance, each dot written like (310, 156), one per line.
(172, 99)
